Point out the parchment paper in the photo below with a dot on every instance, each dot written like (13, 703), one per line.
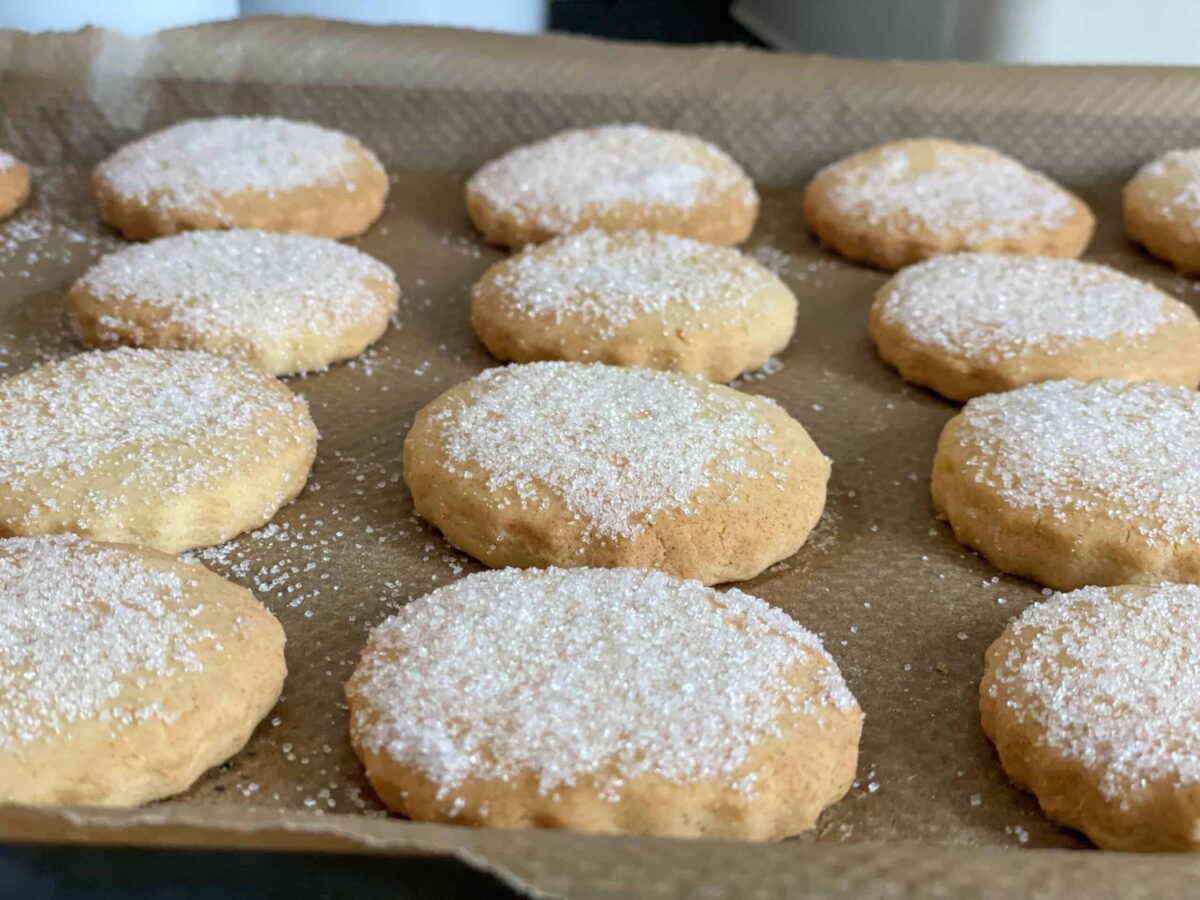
(906, 611)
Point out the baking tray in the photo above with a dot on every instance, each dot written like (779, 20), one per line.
(905, 609)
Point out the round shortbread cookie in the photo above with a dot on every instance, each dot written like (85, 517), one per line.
(1162, 209)
(284, 302)
(614, 177)
(226, 172)
(573, 464)
(1074, 483)
(635, 298)
(162, 448)
(124, 672)
(14, 184)
(1093, 702)
(610, 700)
(967, 324)
(904, 201)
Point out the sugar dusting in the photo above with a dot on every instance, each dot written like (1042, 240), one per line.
(997, 306)
(249, 284)
(978, 192)
(569, 176)
(71, 420)
(618, 445)
(513, 670)
(1111, 678)
(1185, 195)
(59, 215)
(7, 160)
(609, 280)
(1106, 448)
(82, 628)
(190, 164)
(773, 365)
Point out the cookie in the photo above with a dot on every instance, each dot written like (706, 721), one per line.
(166, 449)
(1092, 699)
(634, 298)
(604, 700)
(124, 672)
(14, 184)
(284, 302)
(904, 201)
(1162, 209)
(967, 324)
(615, 177)
(1073, 483)
(226, 172)
(574, 464)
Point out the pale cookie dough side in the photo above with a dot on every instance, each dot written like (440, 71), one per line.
(1092, 699)
(1077, 483)
(285, 302)
(167, 449)
(613, 177)
(572, 464)
(254, 173)
(490, 702)
(1162, 209)
(967, 324)
(14, 184)
(126, 673)
(904, 201)
(634, 298)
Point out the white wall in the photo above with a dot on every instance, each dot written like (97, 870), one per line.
(143, 16)
(1098, 31)
(1020, 31)
(130, 16)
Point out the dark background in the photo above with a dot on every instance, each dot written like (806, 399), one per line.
(668, 21)
(67, 873)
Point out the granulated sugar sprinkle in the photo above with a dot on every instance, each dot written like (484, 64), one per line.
(70, 419)
(7, 160)
(185, 165)
(1107, 448)
(773, 365)
(1112, 679)
(1186, 194)
(618, 445)
(81, 624)
(58, 225)
(510, 671)
(995, 305)
(247, 283)
(570, 175)
(610, 280)
(983, 196)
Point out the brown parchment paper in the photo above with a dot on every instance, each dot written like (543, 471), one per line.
(905, 610)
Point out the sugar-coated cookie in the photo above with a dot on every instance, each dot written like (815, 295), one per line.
(614, 177)
(967, 324)
(904, 201)
(576, 464)
(229, 172)
(1162, 209)
(634, 298)
(14, 184)
(1074, 483)
(611, 700)
(162, 448)
(284, 302)
(1093, 702)
(124, 672)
